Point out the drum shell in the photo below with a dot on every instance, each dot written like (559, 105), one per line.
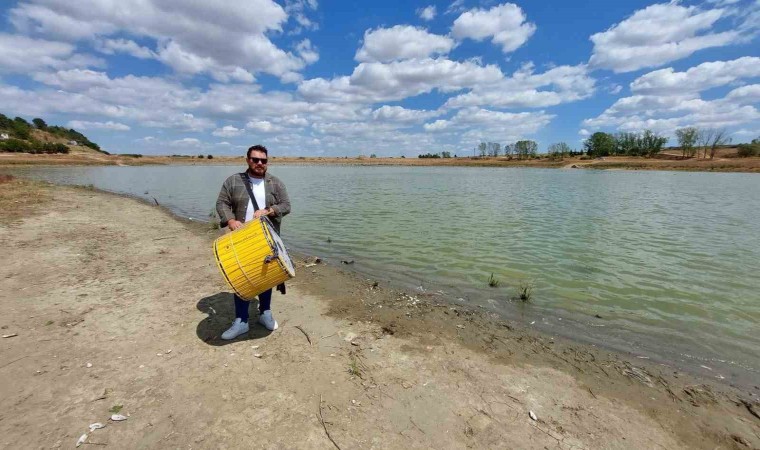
(248, 260)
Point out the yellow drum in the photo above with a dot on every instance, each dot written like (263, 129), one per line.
(253, 258)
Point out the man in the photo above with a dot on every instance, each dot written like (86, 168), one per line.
(245, 196)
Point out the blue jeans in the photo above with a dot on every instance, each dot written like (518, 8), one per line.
(241, 306)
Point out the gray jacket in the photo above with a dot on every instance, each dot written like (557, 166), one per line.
(232, 202)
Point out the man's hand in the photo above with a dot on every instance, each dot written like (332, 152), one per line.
(234, 224)
(262, 212)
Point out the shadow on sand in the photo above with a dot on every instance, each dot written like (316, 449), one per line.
(221, 313)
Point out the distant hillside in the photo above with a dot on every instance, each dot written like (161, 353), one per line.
(19, 136)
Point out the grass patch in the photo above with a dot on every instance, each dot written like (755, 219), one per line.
(355, 366)
(115, 409)
(525, 291)
(493, 282)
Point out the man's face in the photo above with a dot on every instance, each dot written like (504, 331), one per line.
(257, 163)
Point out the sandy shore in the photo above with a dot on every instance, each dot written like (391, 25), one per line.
(113, 304)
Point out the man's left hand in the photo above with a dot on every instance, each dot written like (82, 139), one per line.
(262, 212)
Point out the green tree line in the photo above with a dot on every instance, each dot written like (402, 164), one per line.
(22, 139)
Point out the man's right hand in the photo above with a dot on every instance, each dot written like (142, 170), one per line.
(234, 224)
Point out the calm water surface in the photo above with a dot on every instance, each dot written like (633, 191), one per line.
(669, 260)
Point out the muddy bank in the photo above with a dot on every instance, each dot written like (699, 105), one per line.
(113, 304)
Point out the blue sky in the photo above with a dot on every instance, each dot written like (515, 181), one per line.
(312, 78)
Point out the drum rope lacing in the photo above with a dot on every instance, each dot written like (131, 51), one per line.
(232, 246)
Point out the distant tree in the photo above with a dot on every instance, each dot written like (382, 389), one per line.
(200, 156)
(39, 123)
(559, 150)
(627, 143)
(429, 155)
(599, 144)
(651, 143)
(445, 154)
(5, 122)
(687, 139)
(373, 156)
(209, 156)
(509, 149)
(704, 137)
(482, 149)
(526, 149)
(719, 137)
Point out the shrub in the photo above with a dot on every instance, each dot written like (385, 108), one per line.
(15, 146)
(209, 156)
(747, 150)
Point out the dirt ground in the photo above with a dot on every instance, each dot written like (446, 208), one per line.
(112, 305)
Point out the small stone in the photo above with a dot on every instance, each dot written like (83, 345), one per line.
(532, 415)
(254, 347)
(118, 418)
(89, 365)
(257, 355)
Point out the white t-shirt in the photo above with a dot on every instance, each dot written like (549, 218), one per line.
(257, 186)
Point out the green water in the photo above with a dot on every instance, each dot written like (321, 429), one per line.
(669, 260)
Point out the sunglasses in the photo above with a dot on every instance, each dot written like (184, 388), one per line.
(258, 160)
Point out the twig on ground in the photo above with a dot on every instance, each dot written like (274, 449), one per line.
(165, 237)
(308, 338)
(17, 359)
(416, 426)
(322, 421)
(591, 392)
(329, 335)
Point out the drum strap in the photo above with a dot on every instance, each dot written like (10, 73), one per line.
(247, 183)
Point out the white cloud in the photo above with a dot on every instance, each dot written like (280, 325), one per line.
(307, 51)
(696, 79)
(227, 131)
(663, 107)
(186, 142)
(401, 42)
(263, 126)
(376, 82)
(493, 124)
(402, 115)
(657, 35)
(297, 9)
(111, 46)
(584, 132)
(438, 125)
(505, 24)
(427, 13)
(523, 89)
(233, 43)
(85, 125)
(21, 54)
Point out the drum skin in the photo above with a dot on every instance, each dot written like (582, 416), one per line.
(252, 259)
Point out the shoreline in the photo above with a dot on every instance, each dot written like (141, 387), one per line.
(663, 163)
(387, 325)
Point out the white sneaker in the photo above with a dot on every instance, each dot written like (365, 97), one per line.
(238, 327)
(267, 320)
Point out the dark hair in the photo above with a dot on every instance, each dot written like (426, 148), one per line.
(258, 148)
